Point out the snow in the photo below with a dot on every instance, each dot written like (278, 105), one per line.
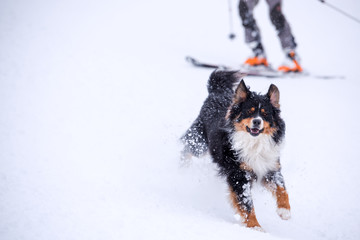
(94, 96)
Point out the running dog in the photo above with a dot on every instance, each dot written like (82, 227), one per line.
(243, 132)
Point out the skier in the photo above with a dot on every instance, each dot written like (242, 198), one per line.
(253, 38)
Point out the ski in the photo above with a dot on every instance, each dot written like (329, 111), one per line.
(197, 63)
(260, 71)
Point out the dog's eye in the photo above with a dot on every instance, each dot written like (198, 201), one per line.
(263, 112)
(238, 118)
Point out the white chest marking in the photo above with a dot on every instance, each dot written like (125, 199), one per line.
(260, 153)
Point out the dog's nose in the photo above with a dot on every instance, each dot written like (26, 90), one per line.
(256, 122)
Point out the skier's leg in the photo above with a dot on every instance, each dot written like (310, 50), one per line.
(292, 61)
(282, 26)
(252, 33)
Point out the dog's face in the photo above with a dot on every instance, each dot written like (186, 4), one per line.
(254, 113)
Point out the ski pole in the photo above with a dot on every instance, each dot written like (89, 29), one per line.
(231, 34)
(340, 11)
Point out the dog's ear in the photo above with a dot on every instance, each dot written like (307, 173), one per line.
(241, 92)
(274, 95)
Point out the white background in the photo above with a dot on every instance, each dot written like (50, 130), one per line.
(94, 96)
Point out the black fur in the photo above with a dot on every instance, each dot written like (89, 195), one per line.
(220, 96)
(213, 129)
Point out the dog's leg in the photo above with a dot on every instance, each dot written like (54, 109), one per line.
(240, 196)
(274, 181)
(195, 142)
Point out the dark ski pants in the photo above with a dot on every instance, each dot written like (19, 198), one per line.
(252, 33)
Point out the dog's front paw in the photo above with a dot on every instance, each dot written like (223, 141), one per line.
(284, 213)
(259, 229)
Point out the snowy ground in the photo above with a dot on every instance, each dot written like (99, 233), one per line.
(95, 94)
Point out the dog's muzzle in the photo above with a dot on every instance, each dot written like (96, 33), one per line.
(256, 127)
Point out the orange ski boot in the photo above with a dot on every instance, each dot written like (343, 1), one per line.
(291, 63)
(257, 61)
